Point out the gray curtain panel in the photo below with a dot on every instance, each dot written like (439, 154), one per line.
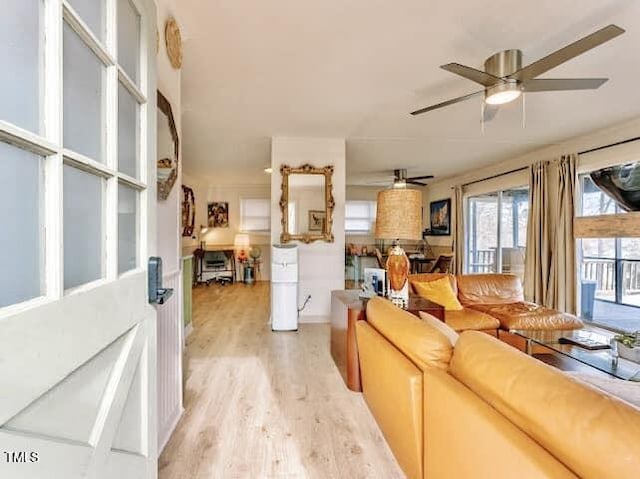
(550, 260)
(459, 238)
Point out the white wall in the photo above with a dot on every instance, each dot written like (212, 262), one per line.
(169, 83)
(169, 248)
(443, 189)
(321, 264)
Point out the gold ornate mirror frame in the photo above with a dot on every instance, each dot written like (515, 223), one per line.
(327, 232)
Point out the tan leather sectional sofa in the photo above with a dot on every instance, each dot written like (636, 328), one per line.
(482, 409)
(496, 301)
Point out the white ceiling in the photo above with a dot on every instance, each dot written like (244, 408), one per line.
(356, 68)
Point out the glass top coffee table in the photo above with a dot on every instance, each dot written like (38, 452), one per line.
(602, 360)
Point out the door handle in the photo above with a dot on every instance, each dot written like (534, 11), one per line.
(157, 294)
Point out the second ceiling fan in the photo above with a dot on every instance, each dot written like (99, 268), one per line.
(504, 78)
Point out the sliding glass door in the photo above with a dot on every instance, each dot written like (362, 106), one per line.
(609, 267)
(496, 231)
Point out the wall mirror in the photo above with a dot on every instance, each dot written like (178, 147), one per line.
(306, 204)
(168, 148)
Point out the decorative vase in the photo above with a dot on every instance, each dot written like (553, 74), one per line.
(398, 270)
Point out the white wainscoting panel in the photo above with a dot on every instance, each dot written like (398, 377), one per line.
(170, 344)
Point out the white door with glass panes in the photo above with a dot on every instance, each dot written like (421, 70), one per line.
(77, 204)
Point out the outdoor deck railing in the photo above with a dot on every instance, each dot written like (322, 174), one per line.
(603, 272)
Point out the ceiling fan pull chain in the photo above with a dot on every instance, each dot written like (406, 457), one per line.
(482, 107)
(524, 111)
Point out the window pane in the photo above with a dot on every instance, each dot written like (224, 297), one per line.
(513, 230)
(83, 97)
(83, 227)
(594, 201)
(356, 209)
(630, 248)
(128, 38)
(482, 233)
(598, 264)
(21, 252)
(255, 214)
(21, 42)
(128, 132)
(360, 216)
(127, 228)
(630, 253)
(92, 12)
(357, 225)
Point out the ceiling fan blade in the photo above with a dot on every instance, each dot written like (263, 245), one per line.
(478, 76)
(561, 84)
(490, 112)
(447, 103)
(426, 177)
(567, 53)
(415, 182)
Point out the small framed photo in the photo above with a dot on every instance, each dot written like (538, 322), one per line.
(317, 219)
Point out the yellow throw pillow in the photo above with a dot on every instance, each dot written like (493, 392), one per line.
(438, 291)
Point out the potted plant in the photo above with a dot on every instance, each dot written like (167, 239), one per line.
(627, 346)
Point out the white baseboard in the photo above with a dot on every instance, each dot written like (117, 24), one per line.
(167, 433)
(314, 319)
(188, 330)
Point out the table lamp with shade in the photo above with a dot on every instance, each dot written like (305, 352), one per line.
(398, 217)
(242, 245)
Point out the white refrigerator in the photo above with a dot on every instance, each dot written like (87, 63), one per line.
(284, 287)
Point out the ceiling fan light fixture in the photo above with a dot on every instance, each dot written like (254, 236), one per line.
(501, 94)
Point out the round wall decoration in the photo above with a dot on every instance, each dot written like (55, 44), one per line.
(174, 42)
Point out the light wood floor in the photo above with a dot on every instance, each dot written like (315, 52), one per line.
(267, 405)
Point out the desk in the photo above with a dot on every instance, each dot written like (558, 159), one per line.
(417, 263)
(346, 309)
(208, 272)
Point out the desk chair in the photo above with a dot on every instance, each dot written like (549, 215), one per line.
(443, 264)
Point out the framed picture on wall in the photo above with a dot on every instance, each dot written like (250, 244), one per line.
(218, 214)
(440, 214)
(188, 211)
(317, 220)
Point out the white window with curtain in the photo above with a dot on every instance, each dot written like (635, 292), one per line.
(255, 215)
(359, 216)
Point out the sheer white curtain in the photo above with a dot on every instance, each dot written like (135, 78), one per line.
(550, 262)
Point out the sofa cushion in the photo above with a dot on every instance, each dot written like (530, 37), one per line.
(392, 388)
(524, 315)
(489, 289)
(470, 319)
(438, 291)
(594, 434)
(441, 326)
(423, 344)
(426, 277)
(467, 438)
